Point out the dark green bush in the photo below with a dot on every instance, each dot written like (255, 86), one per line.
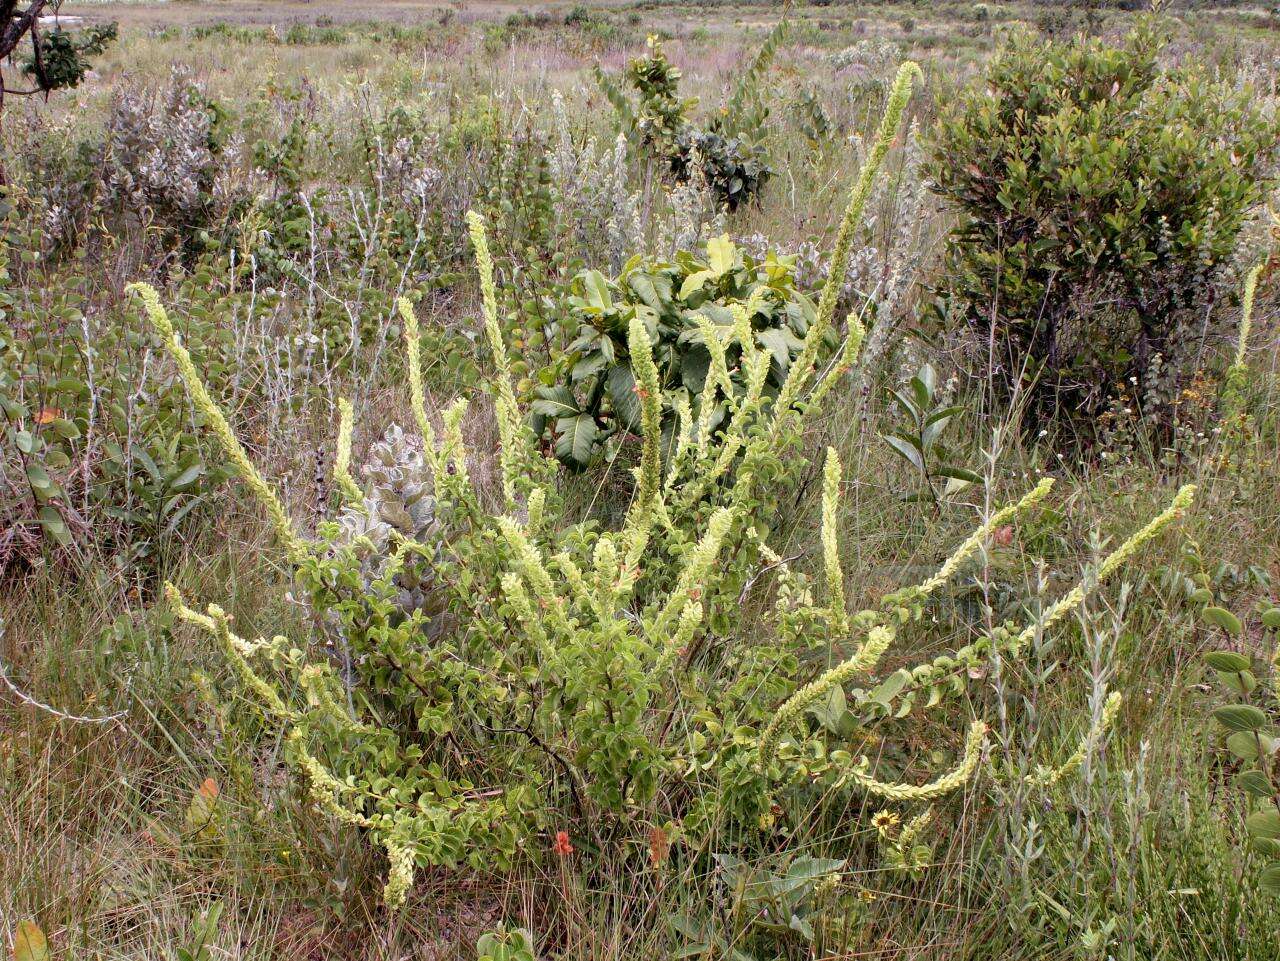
(1101, 196)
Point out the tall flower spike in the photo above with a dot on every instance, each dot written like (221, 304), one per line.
(899, 95)
(205, 404)
(831, 542)
(866, 658)
(417, 397)
(973, 655)
(508, 412)
(970, 546)
(235, 649)
(1049, 777)
(1233, 383)
(342, 458)
(1246, 312)
(717, 377)
(649, 388)
(697, 566)
(944, 785)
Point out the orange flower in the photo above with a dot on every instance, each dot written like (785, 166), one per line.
(562, 846)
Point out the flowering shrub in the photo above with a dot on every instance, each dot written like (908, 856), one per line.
(568, 681)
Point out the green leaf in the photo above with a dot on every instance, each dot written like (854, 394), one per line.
(721, 255)
(937, 422)
(1255, 783)
(66, 429)
(577, 439)
(1269, 879)
(922, 387)
(29, 942)
(1263, 824)
(1223, 618)
(597, 290)
(694, 282)
(1227, 661)
(1240, 717)
(1271, 619)
(958, 473)
(906, 450)
(1244, 745)
(621, 384)
(54, 525)
(1242, 682)
(187, 477)
(40, 481)
(557, 401)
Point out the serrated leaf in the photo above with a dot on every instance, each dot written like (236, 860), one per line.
(1240, 717)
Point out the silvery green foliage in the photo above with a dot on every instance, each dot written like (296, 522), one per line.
(872, 60)
(398, 500)
(159, 153)
(591, 188)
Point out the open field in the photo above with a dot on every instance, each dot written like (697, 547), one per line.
(626, 480)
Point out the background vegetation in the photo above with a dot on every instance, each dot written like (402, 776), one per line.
(1061, 269)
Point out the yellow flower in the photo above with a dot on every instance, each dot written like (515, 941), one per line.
(866, 895)
(885, 821)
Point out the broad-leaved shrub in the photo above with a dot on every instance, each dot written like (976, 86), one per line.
(1100, 196)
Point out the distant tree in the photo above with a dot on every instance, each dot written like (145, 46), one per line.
(57, 58)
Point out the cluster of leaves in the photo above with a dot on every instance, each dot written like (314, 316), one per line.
(919, 441)
(1099, 193)
(61, 58)
(588, 396)
(801, 902)
(91, 431)
(728, 155)
(1251, 735)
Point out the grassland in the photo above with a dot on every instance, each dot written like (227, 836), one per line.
(334, 149)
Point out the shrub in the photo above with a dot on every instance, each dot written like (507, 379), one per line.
(579, 682)
(1100, 196)
(589, 394)
(728, 154)
(95, 457)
